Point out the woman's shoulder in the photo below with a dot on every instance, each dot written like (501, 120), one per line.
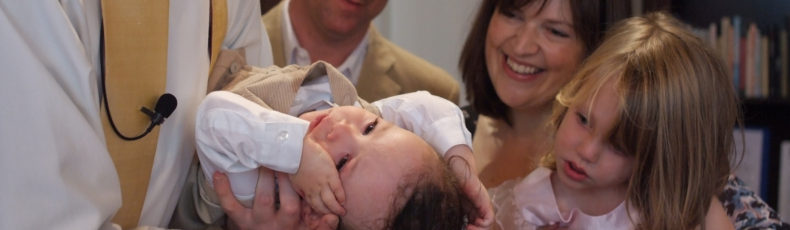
(746, 209)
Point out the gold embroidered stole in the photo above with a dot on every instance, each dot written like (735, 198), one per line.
(135, 56)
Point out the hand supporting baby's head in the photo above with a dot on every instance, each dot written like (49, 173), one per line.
(437, 201)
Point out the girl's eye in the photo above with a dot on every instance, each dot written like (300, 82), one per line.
(369, 128)
(582, 119)
(342, 162)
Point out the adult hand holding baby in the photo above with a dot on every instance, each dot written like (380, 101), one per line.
(274, 207)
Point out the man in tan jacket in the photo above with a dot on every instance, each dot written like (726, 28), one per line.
(341, 33)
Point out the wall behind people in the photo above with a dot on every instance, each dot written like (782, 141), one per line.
(434, 30)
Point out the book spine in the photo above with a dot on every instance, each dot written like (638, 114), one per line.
(783, 207)
(750, 61)
(764, 70)
(725, 44)
(783, 63)
(736, 52)
(775, 68)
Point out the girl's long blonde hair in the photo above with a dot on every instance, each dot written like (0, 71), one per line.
(677, 113)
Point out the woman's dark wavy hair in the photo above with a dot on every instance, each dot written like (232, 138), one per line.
(590, 19)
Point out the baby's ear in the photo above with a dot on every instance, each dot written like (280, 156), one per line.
(318, 221)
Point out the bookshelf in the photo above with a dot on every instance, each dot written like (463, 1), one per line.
(773, 115)
(702, 12)
(770, 111)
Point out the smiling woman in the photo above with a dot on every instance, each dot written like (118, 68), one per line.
(517, 56)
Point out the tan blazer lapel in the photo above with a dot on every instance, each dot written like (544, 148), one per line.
(375, 78)
(275, 88)
(343, 92)
(273, 20)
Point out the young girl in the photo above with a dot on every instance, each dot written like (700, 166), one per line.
(643, 135)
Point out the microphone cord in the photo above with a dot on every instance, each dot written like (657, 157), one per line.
(103, 93)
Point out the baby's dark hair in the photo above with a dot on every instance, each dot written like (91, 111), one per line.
(436, 202)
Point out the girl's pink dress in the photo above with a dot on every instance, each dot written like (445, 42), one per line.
(530, 203)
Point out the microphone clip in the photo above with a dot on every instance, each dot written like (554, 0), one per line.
(156, 117)
(165, 106)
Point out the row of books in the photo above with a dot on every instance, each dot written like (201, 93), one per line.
(758, 58)
(753, 167)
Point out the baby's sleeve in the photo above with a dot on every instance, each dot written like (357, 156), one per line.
(437, 120)
(234, 135)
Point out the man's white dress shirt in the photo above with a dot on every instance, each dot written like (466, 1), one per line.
(295, 54)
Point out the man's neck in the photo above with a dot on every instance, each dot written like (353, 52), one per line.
(321, 43)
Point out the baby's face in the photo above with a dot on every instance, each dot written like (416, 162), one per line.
(376, 159)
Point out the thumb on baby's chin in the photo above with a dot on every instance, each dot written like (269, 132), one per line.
(330, 221)
(325, 222)
(318, 221)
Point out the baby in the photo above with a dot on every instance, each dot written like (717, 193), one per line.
(383, 168)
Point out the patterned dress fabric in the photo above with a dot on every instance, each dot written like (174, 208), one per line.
(746, 210)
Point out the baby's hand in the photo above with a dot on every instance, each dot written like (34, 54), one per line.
(317, 180)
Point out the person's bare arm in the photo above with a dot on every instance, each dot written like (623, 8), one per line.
(717, 218)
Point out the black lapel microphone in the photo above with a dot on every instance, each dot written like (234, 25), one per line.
(165, 105)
